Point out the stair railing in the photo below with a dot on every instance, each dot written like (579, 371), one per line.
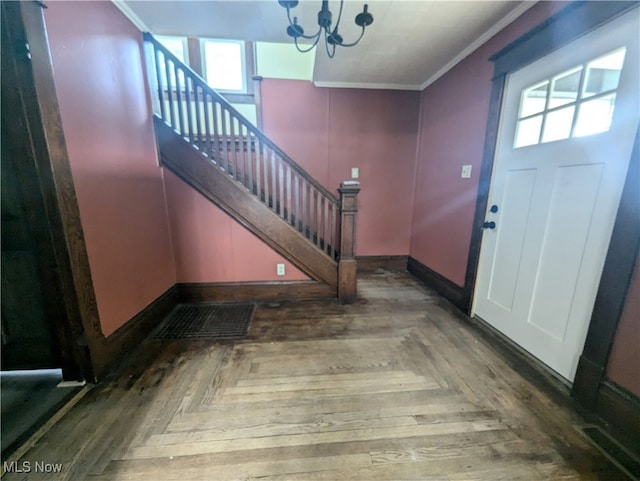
(205, 119)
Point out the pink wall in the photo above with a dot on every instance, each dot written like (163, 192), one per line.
(210, 246)
(299, 125)
(329, 131)
(97, 60)
(453, 116)
(624, 362)
(104, 105)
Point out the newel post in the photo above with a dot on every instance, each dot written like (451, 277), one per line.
(347, 266)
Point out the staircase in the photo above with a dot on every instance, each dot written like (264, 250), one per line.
(213, 148)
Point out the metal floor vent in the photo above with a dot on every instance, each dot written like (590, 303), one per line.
(614, 451)
(207, 322)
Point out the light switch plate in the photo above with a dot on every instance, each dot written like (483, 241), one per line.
(355, 172)
(466, 172)
(280, 269)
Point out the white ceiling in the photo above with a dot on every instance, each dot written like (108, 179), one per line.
(409, 45)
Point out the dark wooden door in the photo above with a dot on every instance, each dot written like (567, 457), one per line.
(27, 334)
(29, 295)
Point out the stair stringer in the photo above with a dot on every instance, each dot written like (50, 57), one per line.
(198, 171)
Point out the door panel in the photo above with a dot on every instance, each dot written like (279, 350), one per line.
(506, 267)
(568, 222)
(557, 181)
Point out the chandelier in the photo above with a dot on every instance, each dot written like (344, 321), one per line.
(332, 38)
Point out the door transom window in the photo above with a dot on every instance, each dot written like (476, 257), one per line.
(575, 103)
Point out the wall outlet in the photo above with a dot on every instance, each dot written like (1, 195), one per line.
(466, 172)
(280, 269)
(355, 172)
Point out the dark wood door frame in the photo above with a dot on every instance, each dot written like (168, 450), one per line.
(28, 87)
(591, 386)
(567, 25)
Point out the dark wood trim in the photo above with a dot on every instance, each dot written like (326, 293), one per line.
(621, 409)
(91, 353)
(348, 265)
(443, 286)
(567, 25)
(79, 316)
(19, 154)
(616, 411)
(179, 92)
(239, 98)
(194, 55)
(226, 143)
(250, 66)
(586, 383)
(486, 168)
(389, 263)
(110, 350)
(196, 170)
(619, 265)
(197, 63)
(257, 93)
(347, 281)
(571, 22)
(152, 43)
(612, 291)
(253, 291)
(529, 367)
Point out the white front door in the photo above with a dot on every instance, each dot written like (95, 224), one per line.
(566, 133)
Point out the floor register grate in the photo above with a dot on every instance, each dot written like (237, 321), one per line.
(207, 322)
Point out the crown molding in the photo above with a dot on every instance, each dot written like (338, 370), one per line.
(131, 15)
(359, 85)
(481, 40)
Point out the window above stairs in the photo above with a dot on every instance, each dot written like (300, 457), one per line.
(228, 66)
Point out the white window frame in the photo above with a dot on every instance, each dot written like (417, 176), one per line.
(581, 98)
(246, 88)
(185, 44)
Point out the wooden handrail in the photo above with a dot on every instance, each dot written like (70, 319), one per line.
(195, 78)
(211, 146)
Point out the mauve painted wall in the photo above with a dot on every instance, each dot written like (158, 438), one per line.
(454, 112)
(98, 68)
(210, 246)
(624, 362)
(329, 131)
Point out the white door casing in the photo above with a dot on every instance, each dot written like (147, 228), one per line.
(540, 267)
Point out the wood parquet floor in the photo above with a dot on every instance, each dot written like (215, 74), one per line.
(395, 387)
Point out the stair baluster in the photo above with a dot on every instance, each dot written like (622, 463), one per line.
(203, 118)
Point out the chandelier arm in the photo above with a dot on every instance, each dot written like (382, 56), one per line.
(332, 38)
(309, 49)
(356, 42)
(339, 16)
(308, 37)
(315, 36)
(326, 45)
(289, 16)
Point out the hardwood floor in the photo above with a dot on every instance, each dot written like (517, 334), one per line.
(395, 387)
